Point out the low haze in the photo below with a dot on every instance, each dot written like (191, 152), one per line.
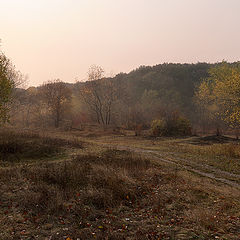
(145, 142)
(49, 39)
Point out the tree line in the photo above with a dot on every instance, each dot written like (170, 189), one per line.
(207, 95)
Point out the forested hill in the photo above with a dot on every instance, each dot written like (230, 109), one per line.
(173, 83)
(144, 94)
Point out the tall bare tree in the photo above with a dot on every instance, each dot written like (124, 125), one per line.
(56, 95)
(99, 94)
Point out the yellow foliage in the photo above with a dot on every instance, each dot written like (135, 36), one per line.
(220, 93)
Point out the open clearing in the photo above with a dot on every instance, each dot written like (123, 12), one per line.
(118, 187)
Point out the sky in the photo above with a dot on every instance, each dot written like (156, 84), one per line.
(49, 39)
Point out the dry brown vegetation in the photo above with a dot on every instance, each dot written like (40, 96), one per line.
(112, 194)
(223, 153)
(19, 146)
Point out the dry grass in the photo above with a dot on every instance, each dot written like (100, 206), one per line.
(113, 195)
(229, 150)
(223, 153)
(224, 156)
(19, 146)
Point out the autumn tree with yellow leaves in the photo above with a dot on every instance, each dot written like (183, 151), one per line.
(219, 94)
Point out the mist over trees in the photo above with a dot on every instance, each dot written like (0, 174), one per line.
(202, 95)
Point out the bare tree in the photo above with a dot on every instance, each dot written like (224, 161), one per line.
(56, 95)
(99, 94)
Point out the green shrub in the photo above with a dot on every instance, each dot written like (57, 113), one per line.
(173, 125)
(178, 126)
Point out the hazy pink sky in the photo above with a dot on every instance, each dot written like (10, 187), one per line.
(49, 39)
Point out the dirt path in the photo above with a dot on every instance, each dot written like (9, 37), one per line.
(204, 170)
(200, 169)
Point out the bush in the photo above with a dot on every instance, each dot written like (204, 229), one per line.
(173, 125)
(158, 127)
(178, 126)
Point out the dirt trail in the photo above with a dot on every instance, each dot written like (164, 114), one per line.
(204, 170)
(201, 169)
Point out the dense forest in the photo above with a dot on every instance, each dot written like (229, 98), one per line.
(130, 101)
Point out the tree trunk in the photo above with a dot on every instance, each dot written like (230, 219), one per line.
(57, 120)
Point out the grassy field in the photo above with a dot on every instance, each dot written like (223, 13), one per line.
(220, 152)
(78, 186)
